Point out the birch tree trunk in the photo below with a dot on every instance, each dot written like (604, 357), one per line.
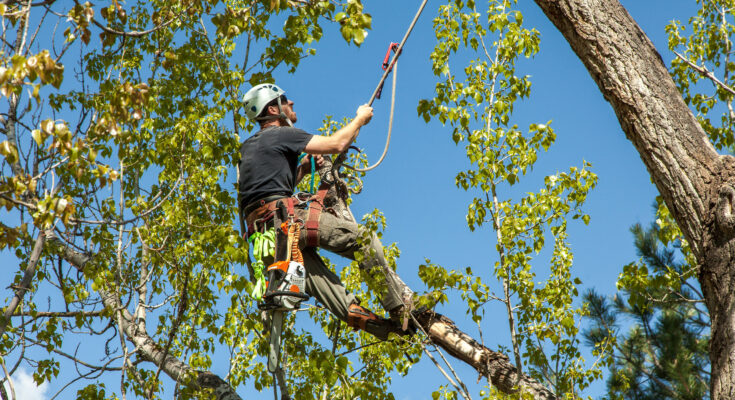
(696, 183)
(176, 369)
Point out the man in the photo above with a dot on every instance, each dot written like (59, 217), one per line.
(269, 172)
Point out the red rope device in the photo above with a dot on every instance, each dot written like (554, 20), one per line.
(387, 66)
(398, 51)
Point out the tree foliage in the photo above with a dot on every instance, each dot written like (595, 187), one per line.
(120, 122)
(477, 101)
(115, 170)
(656, 329)
(703, 67)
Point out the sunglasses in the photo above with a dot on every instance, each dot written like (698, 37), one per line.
(284, 99)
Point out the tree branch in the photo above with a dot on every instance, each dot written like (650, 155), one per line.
(59, 314)
(176, 369)
(134, 34)
(25, 283)
(706, 73)
(8, 379)
(492, 365)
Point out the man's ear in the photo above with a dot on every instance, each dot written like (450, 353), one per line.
(273, 110)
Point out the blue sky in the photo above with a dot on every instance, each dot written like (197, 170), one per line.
(414, 187)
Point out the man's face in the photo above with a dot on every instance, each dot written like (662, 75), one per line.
(287, 107)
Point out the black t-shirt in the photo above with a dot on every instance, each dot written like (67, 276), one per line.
(268, 162)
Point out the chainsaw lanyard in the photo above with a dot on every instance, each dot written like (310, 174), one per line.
(292, 228)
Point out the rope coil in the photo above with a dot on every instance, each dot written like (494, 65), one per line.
(390, 125)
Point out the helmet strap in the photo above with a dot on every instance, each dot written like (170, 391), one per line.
(283, 114)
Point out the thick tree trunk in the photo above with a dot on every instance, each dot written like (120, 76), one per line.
(696, 183)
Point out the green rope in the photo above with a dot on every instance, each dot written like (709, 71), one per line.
(264, 245)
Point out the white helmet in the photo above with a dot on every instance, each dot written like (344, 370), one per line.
(258, 97)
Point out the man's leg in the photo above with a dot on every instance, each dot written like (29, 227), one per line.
(325, 285)
(327, 288)
(341, 237)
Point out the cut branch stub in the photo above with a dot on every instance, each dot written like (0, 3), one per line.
(724, 214)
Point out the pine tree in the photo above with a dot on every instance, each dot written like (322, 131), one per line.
(656, 327)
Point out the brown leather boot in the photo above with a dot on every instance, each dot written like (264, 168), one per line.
(416, 309)
(359, 317)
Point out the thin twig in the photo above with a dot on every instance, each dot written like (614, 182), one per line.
(706, 73)
(463, 390)
(441, 369)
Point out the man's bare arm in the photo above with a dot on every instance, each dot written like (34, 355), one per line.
(341, 139)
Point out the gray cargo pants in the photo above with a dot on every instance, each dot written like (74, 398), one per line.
(340, 236)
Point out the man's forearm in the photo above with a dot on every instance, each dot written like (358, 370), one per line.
(347, 134)
(340, 141)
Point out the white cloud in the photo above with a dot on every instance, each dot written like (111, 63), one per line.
(25, 387)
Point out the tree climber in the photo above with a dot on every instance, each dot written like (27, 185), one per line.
(269, 172)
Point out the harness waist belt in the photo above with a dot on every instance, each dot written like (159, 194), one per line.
(263, 209)
(259, 203)
(263, 213)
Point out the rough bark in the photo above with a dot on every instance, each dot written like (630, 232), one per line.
(150, 350)
(695, 182)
